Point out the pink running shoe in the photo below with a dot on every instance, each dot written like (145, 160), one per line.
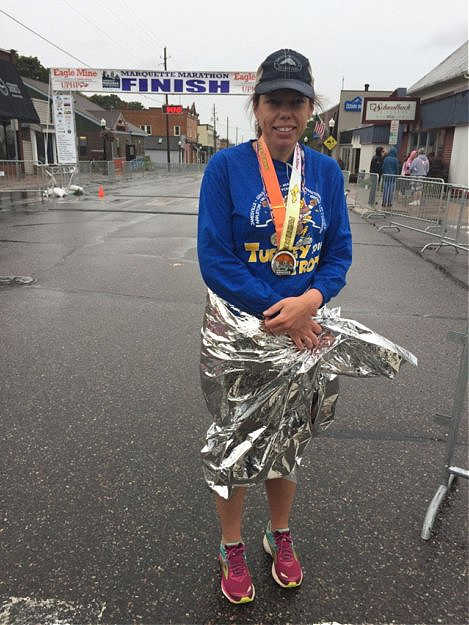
(236, 582)
(286, 567)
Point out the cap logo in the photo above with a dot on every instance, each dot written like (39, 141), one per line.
(283, 63)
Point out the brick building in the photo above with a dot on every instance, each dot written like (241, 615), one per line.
(183, 125)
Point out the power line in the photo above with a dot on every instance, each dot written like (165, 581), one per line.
(126, 23)
(152, 98)
(142, 26)
(44, 38)
(86, 19)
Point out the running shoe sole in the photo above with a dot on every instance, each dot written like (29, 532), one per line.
(267, 549)
(245, 599)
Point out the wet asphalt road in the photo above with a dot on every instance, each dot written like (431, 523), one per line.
(104, 516)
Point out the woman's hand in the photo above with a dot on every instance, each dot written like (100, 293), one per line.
(294, 318)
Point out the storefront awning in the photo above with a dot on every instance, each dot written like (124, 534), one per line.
(14, 101)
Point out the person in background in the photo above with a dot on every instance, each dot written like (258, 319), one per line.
(419, 169)
(420, 165)
(407, 163)
(376, 166)
(391, 168)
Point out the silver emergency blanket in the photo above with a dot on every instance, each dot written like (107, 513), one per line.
(267, 398)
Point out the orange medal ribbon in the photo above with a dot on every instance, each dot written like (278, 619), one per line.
(272, 187)
(285, 218)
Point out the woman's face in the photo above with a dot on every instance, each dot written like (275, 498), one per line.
(282, 116)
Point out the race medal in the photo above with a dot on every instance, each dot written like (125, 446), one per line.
(285, 217)
(283, 263)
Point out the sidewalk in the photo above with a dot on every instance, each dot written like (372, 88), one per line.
(454, 264)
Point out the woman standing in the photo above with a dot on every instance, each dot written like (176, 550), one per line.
(391, 169)
(407, 163)
(273, 241)
(376, 166)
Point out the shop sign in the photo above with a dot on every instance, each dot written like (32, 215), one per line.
(354, 105)
(386, 109)
(393, 132)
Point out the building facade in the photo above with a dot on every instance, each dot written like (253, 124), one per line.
(206, 141)
(182, 125)
(101, 134)
(442, 128)
(17, 111)
(355, 148)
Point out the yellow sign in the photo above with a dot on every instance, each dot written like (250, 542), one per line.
(330, 142)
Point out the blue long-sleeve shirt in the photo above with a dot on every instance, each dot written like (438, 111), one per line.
(235, 230)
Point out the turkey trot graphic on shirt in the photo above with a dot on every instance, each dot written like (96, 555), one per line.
(309, 233)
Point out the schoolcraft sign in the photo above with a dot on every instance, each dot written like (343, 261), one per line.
(149, 81)
(386, 109)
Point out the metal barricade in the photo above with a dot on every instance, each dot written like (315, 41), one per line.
(455, 227)
(60, 176)
(366, 189)
(432, 207)
(21, 181)
(450, 472)
(413, 197)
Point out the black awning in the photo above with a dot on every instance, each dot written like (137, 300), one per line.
(14, 101)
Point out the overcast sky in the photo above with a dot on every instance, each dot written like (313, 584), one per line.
(387, 44)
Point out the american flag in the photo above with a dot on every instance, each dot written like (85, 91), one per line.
(319, 127)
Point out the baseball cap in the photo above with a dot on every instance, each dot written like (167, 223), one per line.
(285, 69)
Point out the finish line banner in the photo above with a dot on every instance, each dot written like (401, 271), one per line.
(143, 81)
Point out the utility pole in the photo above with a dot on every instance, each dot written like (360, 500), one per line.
(227, 140)
(166, 115)
(214, 129)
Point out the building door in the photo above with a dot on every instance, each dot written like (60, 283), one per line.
(356, 162)
(8, 143)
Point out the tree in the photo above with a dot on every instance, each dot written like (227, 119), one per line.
(135, 106)
(113, 101)
(30, 67)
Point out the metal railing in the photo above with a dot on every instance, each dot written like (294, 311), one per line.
(450, 472)
(21, 182)
(428, 205)
(187, 167)
(21, 175)
(366, 187)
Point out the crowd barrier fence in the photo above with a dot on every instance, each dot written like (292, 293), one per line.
(450, 472)
(427, 205)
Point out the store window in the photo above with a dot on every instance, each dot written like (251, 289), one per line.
(413, 141)
(41, 144)
(3, 143)
(82, 147)
(7, 142)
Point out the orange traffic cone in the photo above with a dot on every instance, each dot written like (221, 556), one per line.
(101, 191)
